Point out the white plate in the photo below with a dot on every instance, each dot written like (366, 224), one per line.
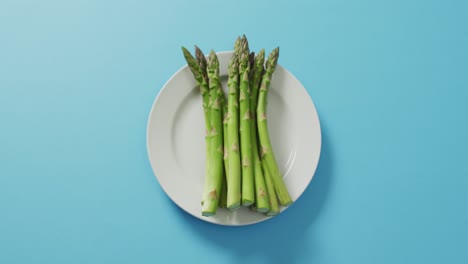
(176, 144)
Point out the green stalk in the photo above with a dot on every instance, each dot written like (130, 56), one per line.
(201, 59)
(252, 65)
(248, 193)
(266, 148)
(223, 196)
(199, 72)
(234, 164)
(274, 208)
(215, 174)
(261, 195)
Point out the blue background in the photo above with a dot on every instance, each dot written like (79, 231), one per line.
(389, 80)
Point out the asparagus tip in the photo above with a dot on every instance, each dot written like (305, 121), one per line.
(199, 53)
(186, 51)
(201, 60)
(261, 54)
(246, 44)
(237, 45)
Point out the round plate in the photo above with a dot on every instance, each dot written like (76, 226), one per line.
(176, 140)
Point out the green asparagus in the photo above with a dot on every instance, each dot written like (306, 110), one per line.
(201, 59)
(248, 193)
(234, 165)
(273, 201)
(223, 196)
(261, 194)
(215, 173)
(240, 168)
(200, 75)
(265, 144)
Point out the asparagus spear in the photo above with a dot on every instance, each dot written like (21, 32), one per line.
(200, 75)
(265, 144)
(248, 194)
(223, 196)
(261, 194)
(215, 174)
(234, 164)
(273, 201)
(201, 59)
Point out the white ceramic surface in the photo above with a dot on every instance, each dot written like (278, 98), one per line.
(175, 140)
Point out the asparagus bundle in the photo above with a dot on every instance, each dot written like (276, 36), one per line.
(241, 168)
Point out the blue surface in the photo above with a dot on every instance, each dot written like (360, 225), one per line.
(389, 79)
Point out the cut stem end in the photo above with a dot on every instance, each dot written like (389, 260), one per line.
(208, 214)
(263, 210)
(247, 202)
(234, 206)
